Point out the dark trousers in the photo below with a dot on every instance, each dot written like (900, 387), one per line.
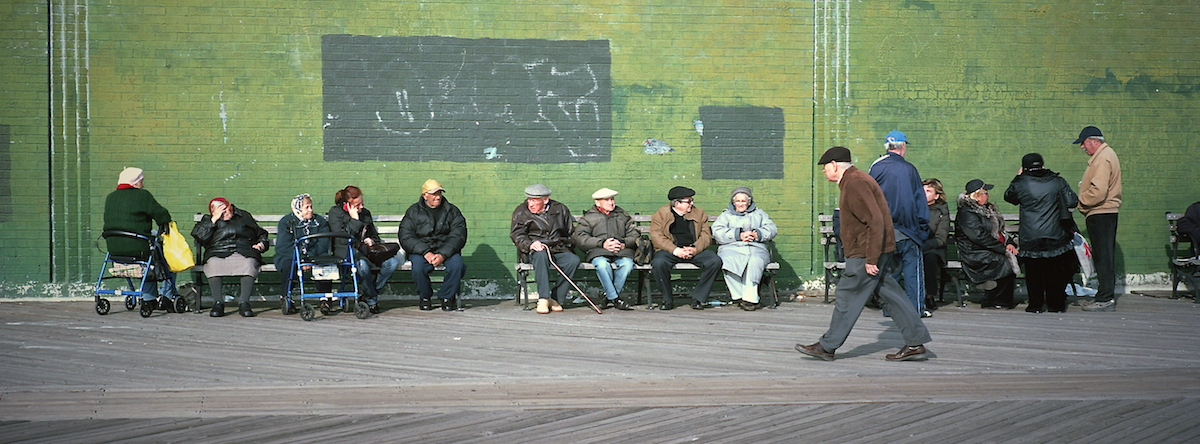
(543, 271)
(933, 274)
(1002, 295)
(856, 286)
(664, 261)
(450, 284)
(1047, 279)
(1102, 232)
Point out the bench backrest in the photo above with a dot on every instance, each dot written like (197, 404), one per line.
(387, 224)
(828, 239)
(1175, 236)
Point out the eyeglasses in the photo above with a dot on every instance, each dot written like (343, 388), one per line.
(686, 201)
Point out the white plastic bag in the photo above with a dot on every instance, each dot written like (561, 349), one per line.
(1084, 250)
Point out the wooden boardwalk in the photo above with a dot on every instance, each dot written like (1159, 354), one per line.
(497, 374)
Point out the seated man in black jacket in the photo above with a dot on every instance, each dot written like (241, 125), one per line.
(433, 233)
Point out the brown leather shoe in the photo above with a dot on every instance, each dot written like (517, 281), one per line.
(908, 353)
(816, 351)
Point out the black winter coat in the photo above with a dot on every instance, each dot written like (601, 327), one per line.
(552, 227)
(441, 230)
(939, 231)
(978, 229)
(239, 234)
(341, 222)
(1042, 195)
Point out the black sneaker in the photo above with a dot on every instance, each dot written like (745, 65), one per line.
(448, 304)
(426, 305)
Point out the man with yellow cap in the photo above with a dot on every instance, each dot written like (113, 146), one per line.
(608, 236)
(433, 233)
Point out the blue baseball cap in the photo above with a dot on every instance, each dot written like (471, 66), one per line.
(895, 136)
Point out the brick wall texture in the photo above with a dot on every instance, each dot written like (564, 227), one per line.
(225, 98)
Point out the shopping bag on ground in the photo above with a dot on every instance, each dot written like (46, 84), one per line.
(176, 250)
(1084, 251)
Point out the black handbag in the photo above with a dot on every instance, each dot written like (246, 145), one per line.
(380, 252)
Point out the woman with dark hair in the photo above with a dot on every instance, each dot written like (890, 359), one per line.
(233, 245)
(1046, 249)
(933, 252)
(348, 215)
(987, 253)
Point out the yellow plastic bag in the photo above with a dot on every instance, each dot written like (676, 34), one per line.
(176, 250)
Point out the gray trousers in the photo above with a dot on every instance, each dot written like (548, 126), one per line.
(855, 288)
(543, 272)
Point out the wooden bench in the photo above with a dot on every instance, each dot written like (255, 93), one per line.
(388, 226)
(644, 272)
(834, 263)
(1181, 265)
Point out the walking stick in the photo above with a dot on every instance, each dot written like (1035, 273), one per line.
(550, 255)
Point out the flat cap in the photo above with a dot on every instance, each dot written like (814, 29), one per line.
(537, 190)
(835, 154)
(603, 193)
(680, 193)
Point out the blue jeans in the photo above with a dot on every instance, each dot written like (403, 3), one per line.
(613, 282)
(370, 287)
(450, 284)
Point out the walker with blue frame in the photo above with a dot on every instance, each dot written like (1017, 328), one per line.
(325, 268)
(137, 268)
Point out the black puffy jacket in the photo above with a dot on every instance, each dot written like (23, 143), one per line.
(1042, 195)
(441, 230)
(978, 232)
(239, 234)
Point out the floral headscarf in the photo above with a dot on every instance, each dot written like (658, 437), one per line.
(304, 227)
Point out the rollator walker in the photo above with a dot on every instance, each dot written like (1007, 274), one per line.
(324, 268)
(130, 268)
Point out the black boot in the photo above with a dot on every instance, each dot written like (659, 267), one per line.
(245, 311)
(426, 304)
(620, 304)
(218, 310)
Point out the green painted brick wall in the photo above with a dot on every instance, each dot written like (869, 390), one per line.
(223, 98)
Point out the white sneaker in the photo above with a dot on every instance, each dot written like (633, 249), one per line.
(1101, 306)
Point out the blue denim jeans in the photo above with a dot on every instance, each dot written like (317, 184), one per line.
(450, 283)
(613, 282)
(911, 271)
(370, 287)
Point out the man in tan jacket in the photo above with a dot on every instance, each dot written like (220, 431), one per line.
(680, 233)
(1099, 199)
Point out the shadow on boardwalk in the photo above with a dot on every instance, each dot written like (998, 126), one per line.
(496, 373)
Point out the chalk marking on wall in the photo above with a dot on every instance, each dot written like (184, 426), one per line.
(224, 117)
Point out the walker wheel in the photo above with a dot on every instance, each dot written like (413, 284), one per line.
(307, 312)
(361, 310)
(147, 310)
(285, 305)
(180, 304)
(130, 303)
(102, 307)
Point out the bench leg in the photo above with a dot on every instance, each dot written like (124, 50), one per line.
(774, 293)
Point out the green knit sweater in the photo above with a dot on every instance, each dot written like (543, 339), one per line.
(132, 209)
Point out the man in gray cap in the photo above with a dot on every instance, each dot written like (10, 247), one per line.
(607, 236)
(541, 227)
(869, 243)
(1099, 200)
(680, 233)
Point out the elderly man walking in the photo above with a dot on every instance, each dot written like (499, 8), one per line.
(608, 237)
(1099, 200)
(869, 241)
(541, 227)
(901, 185)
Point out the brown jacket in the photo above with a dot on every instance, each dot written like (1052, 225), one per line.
(867, 230)
(1100, 189)
(660, 228)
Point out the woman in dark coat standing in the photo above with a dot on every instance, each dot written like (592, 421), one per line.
(1045, 233)
(233, 245)
(987, 253)
(933, 252)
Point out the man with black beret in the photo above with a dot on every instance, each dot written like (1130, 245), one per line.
(869, 241)
(680, 233)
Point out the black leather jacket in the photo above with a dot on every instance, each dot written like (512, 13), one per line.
(239, 234)
(427, 230)
(1042, 195)
(552, 227)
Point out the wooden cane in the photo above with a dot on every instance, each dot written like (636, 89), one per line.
(550, 255)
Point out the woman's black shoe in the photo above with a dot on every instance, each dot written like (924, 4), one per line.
(245, 311)
(217, 310)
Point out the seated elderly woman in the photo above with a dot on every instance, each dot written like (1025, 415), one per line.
(988, 254)
(233, 244)
(742, 230)
(302, 222)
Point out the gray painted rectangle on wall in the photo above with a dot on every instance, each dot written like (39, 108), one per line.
(741, 142)
(466, 100)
